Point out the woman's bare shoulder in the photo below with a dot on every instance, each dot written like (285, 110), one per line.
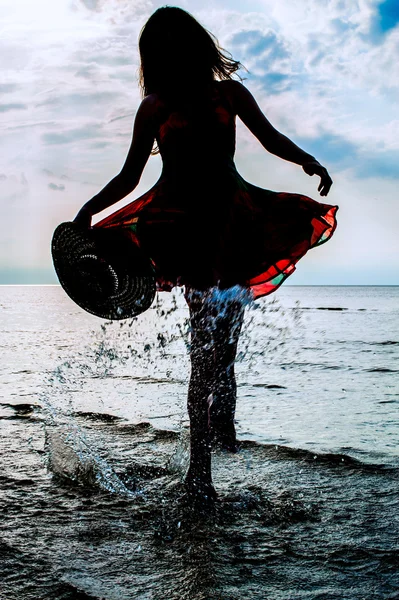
(151, 106)
(233, 90)
(150, 101)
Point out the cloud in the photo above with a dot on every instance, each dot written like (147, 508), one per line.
(117, 11)
(380, 164)
(331, 148)
(13, 106)
(260, 50)
(77, 99)
(100, 145)
(316, 71)
(342, 26)
(90, 4)
(88, 72)
(268, 58)
(6, 88)
(86, 132)
(322, 82)
(128, 116)
(257, 42)
(109, 60)
(340, 153)
(276, 83)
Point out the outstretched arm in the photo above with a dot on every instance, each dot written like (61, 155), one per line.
(128, 178)
(272, 140)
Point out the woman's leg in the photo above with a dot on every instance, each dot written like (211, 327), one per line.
(216, 320)
(222, 412)
(199, 478)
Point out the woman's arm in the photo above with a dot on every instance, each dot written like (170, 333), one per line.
(128, 178)
(272, 140)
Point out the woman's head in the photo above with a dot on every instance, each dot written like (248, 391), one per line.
(178, 54)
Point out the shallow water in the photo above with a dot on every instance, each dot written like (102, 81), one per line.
(94, 450)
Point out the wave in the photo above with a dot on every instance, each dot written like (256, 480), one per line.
(76, 592)
(350, 342)
(317, 365)
(324, 308)
(141, 378)
(273, 451)
(381, 370)
(279, 452)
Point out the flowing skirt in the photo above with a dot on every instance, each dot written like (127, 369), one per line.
(232, 233)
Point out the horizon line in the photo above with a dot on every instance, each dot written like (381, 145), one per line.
(286, 285)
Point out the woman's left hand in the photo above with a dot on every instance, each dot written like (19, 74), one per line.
(313, 167)
(83, 218)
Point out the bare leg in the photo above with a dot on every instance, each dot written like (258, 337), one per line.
(215, 327)
(223, 407)
(199, 477)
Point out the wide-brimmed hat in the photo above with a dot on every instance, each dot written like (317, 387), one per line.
(102, 270)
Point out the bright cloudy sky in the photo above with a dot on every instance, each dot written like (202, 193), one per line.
(325, 73)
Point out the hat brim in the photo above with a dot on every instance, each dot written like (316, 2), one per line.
(103, 271)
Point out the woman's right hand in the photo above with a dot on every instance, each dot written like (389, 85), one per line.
(313, 167)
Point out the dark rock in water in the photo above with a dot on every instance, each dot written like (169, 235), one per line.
(103, 417)
(23, 409)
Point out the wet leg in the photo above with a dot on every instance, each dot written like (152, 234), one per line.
(222, 411)
(199, 478)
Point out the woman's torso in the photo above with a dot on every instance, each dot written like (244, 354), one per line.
(198, 142)
(198, 185)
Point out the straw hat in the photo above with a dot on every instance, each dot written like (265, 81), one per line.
(102, 270)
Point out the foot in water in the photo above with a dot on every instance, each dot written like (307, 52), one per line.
(198, 490)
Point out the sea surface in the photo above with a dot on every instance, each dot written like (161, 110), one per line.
(94, 449)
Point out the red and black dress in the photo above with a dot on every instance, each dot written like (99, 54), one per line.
(203, 225)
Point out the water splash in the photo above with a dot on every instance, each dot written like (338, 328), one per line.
(159, 340)
(69, 452)
(72, 457)
(270, 333)
(155, 344)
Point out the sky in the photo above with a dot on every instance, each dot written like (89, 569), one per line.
(324, 72)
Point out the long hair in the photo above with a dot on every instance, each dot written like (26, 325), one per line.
(179, 58)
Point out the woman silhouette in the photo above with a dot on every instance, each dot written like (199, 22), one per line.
(204, 227)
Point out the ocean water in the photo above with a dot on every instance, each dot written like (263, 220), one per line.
(93, 448)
